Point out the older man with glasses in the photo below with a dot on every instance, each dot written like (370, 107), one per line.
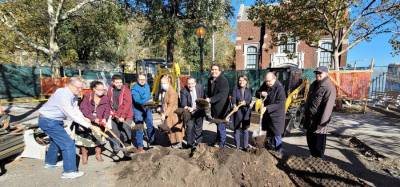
(61, 105)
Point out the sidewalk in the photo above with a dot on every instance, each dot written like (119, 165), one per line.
(379, 132)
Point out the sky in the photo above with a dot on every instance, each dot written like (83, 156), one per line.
(378, 48)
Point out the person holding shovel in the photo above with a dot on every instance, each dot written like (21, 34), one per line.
(194, 125)
(218, 97)
(61, 105)
(171, 123)
(96, 107)
(242, 96)
(141, 95)
(273, 120)
(121, 112)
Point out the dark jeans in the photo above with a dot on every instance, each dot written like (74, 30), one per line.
(122, 131)
(316, 143)
(144, 117)
(194, 130)
(221, 134)
(274, 141)
(59, 141)
(238, 133)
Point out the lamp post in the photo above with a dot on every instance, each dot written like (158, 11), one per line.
(200, 33)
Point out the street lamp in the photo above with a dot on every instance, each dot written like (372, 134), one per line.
(200, 33)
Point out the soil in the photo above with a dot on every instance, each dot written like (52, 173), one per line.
(317, 172)
(210, 166)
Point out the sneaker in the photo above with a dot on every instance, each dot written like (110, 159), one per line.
(49, 166)
(177, 146)
(72, 175)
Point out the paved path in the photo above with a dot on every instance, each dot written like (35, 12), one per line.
(374, 129)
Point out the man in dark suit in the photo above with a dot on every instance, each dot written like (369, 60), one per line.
(218, 92)
(273, 120)
(194, 125)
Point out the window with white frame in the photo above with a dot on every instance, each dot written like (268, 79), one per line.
(251, 57)
(289, 47)
(325, 57)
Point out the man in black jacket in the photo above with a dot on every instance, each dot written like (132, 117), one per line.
(273, 120)
(318, 110)
(218, 92)
(194, 125)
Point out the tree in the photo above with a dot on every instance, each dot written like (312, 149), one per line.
(345, 22)
(168, 19)
(14, 14)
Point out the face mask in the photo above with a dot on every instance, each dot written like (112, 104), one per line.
(164, 86)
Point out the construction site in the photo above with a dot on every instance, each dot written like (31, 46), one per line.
(199, 93)
(362, 146)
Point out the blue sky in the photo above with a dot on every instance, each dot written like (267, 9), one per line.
(378, 48)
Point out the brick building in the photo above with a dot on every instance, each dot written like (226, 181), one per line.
(248, 48)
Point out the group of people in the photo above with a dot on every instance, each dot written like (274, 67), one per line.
(120, 114)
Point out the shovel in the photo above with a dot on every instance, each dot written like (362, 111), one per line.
(124, 149)
(259, 131)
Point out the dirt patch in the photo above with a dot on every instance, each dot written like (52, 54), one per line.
(316, 172)
(206, 166)
(209, 166)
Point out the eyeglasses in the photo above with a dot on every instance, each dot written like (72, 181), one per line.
(318, 73)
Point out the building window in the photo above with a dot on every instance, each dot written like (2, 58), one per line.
(325, 57)
(289, 47)
(251, 59)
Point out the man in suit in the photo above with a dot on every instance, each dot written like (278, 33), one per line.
(218, 92)
(273, 120)
(194, 125)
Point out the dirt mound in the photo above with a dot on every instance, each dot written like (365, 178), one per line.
(207, 166)
(316, 172)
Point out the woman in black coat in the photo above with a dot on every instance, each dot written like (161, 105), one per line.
(241, 119)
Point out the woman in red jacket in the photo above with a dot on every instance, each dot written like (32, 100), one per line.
(96, 107)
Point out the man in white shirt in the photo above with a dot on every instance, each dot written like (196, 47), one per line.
(63, 104)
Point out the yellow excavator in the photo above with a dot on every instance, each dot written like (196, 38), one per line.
(154, 70)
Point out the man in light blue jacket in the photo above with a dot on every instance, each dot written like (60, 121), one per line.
(141, 95)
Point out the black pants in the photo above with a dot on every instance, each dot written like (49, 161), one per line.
(316, 143)
(194, 129)
(122, 131)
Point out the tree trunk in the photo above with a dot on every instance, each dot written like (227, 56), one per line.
(336, 58)
(170, 50)
(53, 48)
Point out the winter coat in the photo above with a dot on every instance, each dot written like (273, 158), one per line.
(169, 105)
(88, 107)
(319, 105)
(124, 103)
(218, 94)
(273, 120)
(186, 98)
(140, 95)
(244, 112)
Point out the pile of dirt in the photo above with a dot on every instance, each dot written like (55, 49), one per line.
(209, 166)
(316, 172)
(206, 166)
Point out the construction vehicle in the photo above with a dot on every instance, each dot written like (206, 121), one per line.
(154, 69)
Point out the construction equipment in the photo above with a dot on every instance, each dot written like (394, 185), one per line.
(154, 69)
